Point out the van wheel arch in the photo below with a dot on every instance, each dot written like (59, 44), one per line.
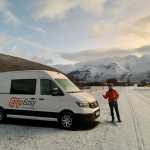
(66, 110)
(2, 109)
(3, 114)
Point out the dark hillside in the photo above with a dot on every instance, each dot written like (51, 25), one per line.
(11, 63)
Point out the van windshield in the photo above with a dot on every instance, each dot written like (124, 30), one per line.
(67, 85)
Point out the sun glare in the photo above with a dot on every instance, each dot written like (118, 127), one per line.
(138, 55)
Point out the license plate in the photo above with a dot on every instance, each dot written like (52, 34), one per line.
(97, 113)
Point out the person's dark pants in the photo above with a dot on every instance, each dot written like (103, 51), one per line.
(114, 105)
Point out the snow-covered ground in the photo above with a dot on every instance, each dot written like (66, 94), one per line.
(132, 134)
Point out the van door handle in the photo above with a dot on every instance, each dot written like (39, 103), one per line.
(41, 99)
(32, 98)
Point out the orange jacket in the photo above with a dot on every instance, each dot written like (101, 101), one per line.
(111, 95)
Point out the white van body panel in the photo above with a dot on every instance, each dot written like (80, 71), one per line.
(36, 104)
(6, 97)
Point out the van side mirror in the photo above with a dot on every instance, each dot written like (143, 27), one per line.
(56, 92)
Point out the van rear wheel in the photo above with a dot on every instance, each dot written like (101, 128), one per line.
(66, 120)
(2, 115)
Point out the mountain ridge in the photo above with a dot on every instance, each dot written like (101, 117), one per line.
(125, 68)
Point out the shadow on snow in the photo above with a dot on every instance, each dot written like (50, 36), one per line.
(48, 124)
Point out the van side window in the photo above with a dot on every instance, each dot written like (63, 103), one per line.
(47, 86)
(23, 86)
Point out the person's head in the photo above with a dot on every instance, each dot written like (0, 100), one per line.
(110, 86)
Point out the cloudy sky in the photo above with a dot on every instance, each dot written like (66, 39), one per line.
(69, 31)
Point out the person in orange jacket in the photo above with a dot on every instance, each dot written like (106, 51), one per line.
(112, 95)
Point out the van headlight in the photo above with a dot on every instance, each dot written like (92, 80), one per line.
(82, 104)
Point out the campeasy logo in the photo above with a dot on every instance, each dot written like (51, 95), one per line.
(16, 102)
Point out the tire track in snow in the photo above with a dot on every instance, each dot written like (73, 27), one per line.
(139, 137)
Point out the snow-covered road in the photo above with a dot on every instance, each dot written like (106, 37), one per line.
(132, 134)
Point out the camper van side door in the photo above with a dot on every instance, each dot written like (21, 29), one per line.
(50, 97)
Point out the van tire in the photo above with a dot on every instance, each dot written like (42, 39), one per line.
(2, 115)
(66, 120)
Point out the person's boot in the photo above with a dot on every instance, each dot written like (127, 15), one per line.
(112, 121)
(119, 120)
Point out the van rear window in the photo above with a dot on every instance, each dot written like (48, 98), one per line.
(23, 86)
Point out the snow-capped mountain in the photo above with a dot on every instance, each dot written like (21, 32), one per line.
(123, 68)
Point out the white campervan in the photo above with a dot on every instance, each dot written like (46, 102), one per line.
(44, 94)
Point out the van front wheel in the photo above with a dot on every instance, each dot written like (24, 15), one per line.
(66, 120)
(2, 115)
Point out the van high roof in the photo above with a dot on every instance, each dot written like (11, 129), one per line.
(21, 71)
(53, 74)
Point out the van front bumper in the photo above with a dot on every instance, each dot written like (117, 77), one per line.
(88, 117)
